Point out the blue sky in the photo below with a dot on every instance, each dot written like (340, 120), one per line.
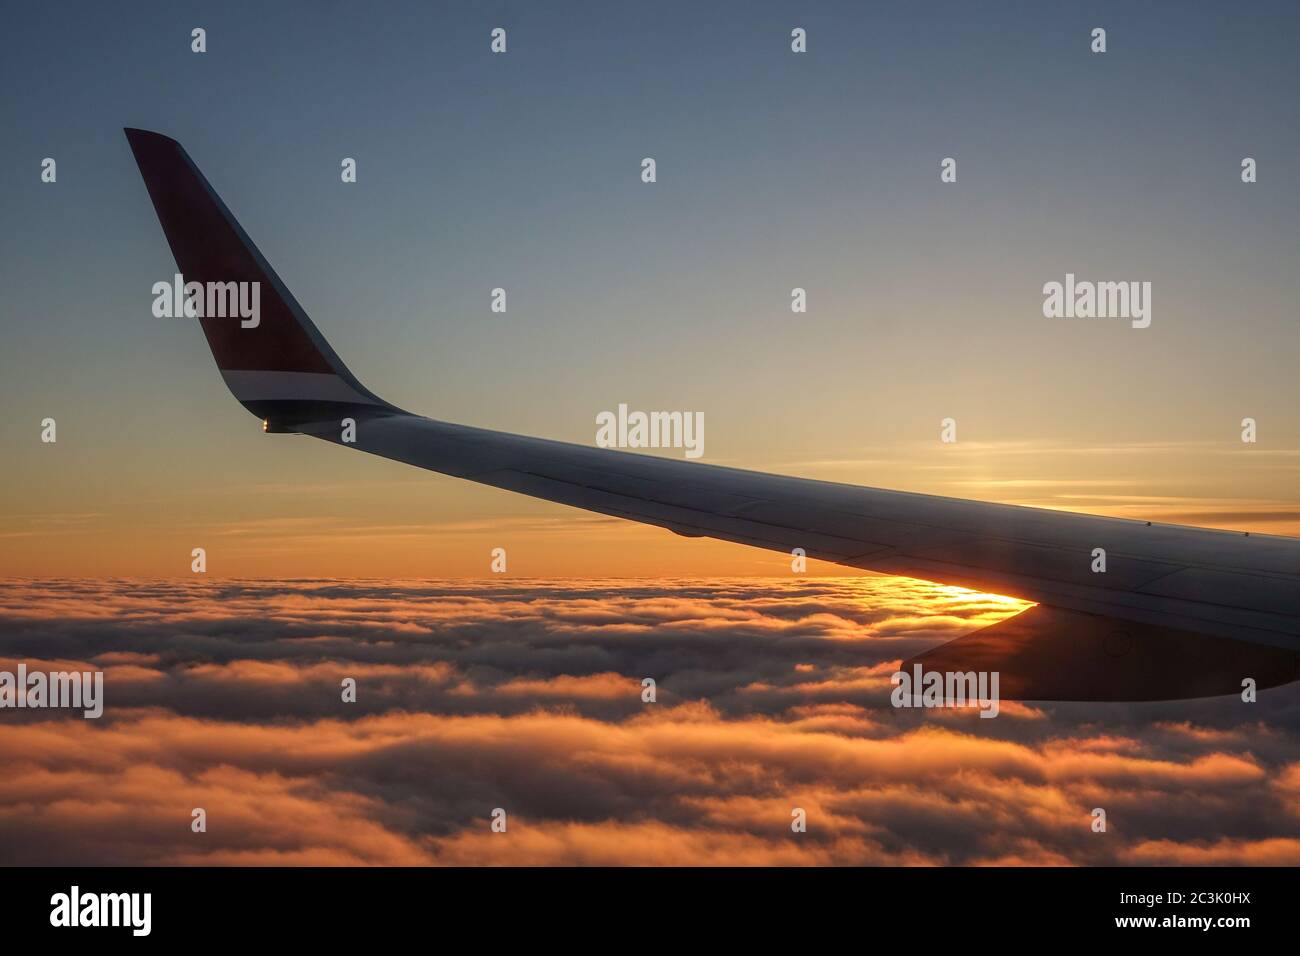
(775, 170)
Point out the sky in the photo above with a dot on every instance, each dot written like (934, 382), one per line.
(775, 170)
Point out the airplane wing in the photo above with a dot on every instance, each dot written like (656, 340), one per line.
(1178, 611)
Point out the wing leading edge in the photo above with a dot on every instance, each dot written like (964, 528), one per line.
(1204, 609)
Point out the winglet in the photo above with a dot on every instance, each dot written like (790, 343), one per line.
(276, 362)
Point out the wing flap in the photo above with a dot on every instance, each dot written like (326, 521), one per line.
(1049, 653)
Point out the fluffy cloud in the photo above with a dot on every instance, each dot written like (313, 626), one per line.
(772, 695)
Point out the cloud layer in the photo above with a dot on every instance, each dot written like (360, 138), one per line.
(527, 696)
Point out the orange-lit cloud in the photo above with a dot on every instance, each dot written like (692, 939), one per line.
(772, 695)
